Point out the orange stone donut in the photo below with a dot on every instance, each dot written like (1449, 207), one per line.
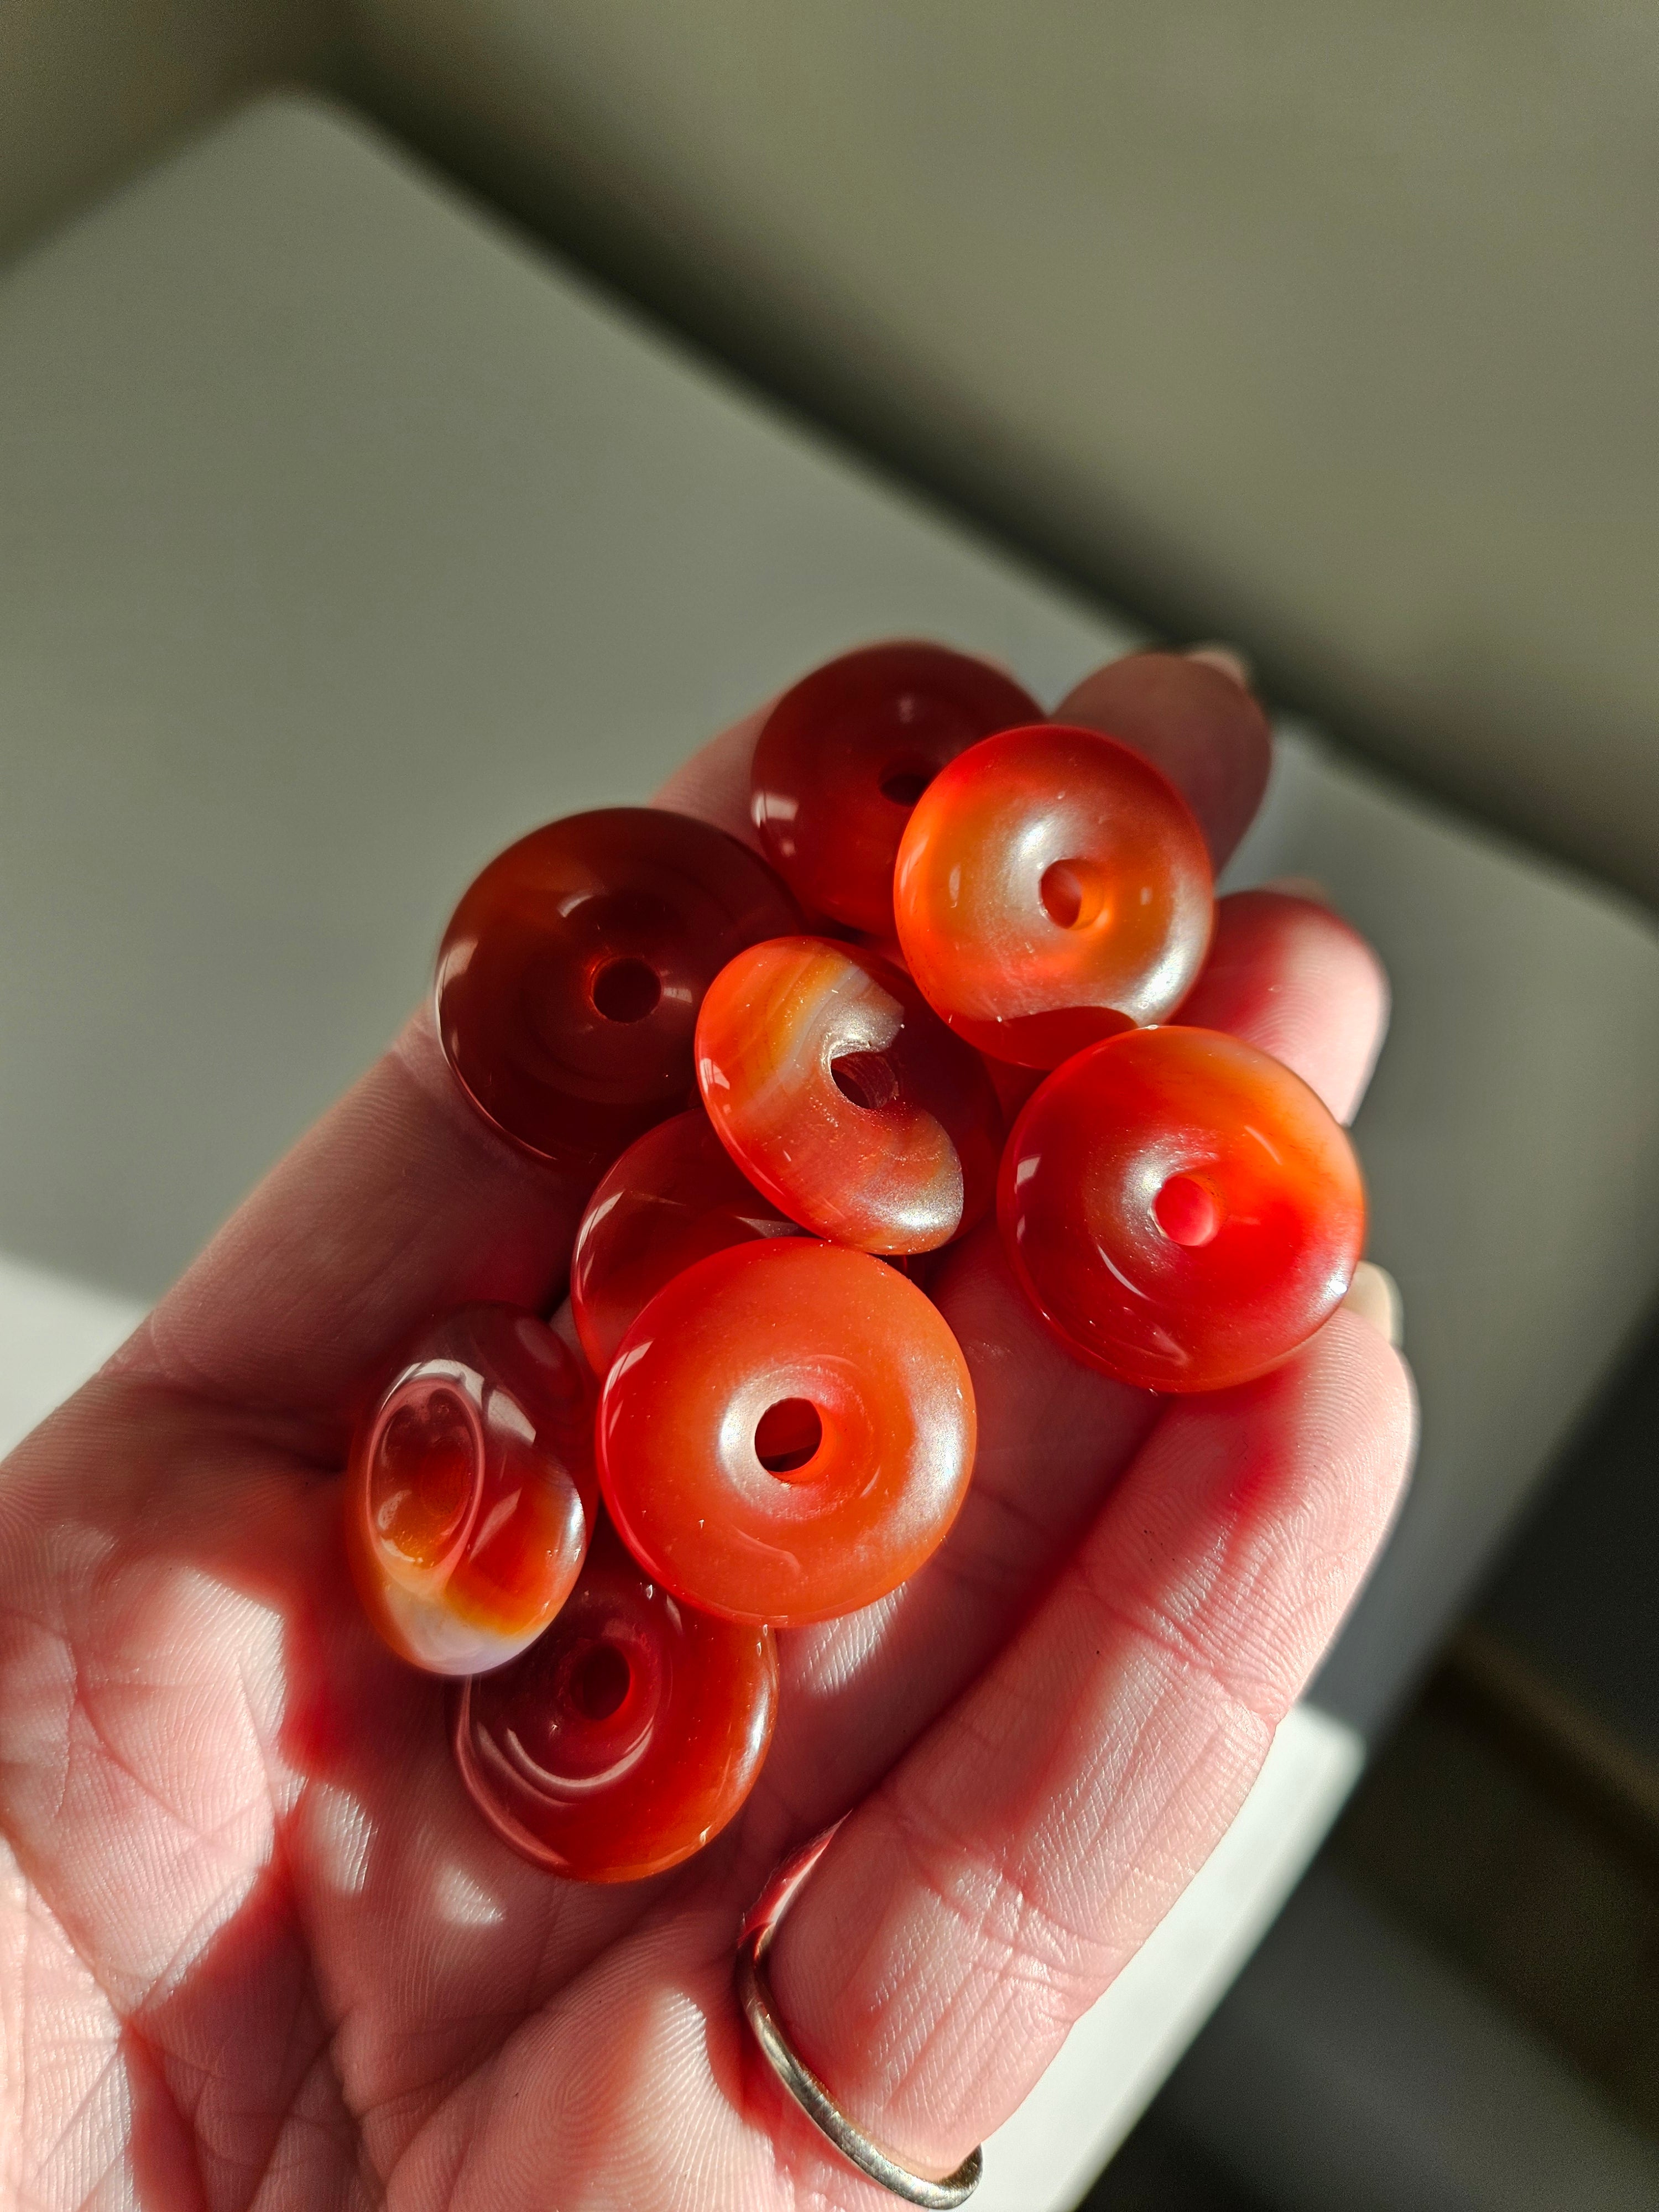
(1052, 889)
(787, 1433)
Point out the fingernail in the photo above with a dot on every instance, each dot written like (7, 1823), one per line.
(1302, 887)
(1227, 658)
(1373, 1295)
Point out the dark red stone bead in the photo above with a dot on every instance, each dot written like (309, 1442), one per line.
(1181, 1210)
(846, 753)
(674, 1196)
(627, 1735)
(571, 973)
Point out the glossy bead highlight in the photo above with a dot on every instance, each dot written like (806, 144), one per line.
(570, 974)
(674, 1196)
(842, 1095)
(1052, 889)
(470, 1491)
(787, 1433)
(1180, 1209)
(624, 1738)
(844, 755)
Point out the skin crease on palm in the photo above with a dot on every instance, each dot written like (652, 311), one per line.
(256, 1947)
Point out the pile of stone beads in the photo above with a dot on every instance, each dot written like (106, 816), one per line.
(781, 1076)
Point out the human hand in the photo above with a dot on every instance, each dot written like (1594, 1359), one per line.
(256, 1946)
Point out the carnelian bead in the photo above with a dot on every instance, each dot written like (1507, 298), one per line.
(787, 1433)
(1180, 1209)
(471, 1491)
(569, 977)
(627, 1735)
(674, 1196)
(842, 758)
(1053, 888)
(842, 1095)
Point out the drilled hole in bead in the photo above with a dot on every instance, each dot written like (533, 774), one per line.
(1073, 893)
(599, 1681)
(864, 1079)
(903, 781)
(787, 1435)
(626, 989)
(1188, 1211)
(423, 1474)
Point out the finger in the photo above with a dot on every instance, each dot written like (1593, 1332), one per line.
(1373, 1295)
(1287, 974)
(982, 1899)
(1230, 659)
(714, 784)
(1198, 724)
(1053, 1435)
(401, 1202)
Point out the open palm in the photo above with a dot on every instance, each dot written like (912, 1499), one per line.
(257, 1948)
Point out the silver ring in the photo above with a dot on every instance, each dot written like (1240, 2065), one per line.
(755, 1995)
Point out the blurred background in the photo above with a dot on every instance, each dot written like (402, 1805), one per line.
(420, 416)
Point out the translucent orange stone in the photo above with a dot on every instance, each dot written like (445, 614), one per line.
(844, 1098)
(470, 1491)
(1181, 1210)
(627, 1735)
(844, 755)
(674, 1196)
(787, 1433)
(1052, 889)
(570, 975)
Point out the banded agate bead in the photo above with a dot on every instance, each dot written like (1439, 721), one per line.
(470, 1491)
(842, 1095)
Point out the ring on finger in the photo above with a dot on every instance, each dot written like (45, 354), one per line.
(760, 2010)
